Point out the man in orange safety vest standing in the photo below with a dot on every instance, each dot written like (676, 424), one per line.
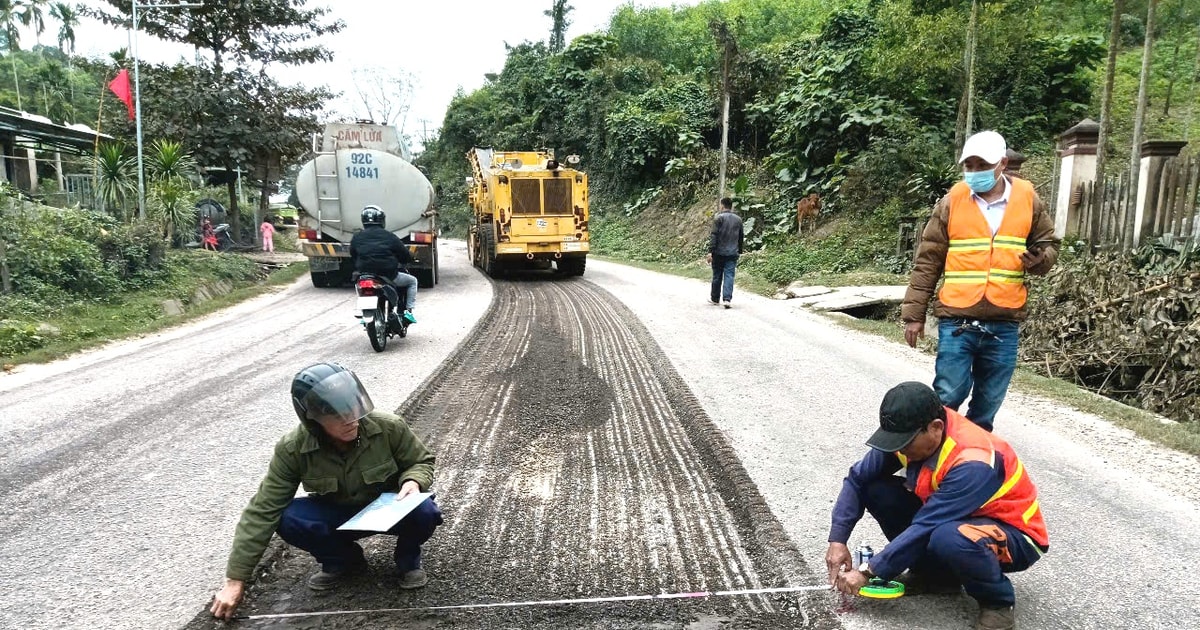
(984, 239)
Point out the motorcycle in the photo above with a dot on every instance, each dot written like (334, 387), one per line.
(376, 309)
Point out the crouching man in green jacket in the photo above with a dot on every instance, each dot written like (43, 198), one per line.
(345, 454)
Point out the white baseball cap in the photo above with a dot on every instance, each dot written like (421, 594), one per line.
(988, 146)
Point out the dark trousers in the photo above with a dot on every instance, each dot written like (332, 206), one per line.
(977, 551)
(723, 268)
(312, 525)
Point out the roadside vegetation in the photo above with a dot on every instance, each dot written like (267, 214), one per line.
(861, 103)
(81, 278)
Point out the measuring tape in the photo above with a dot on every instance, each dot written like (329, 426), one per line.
(546, 602)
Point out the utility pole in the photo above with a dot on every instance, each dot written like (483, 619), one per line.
(137, 95)
(720, 29)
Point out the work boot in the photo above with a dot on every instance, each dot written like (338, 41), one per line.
(413, 579)
(918, 583)
(324, 580)
(408, 316)
(996, 618)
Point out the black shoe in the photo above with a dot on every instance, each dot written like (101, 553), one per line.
(324, 580)
(413, 579)
(916, 583)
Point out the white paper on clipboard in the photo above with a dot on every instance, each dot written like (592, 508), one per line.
(384, 512)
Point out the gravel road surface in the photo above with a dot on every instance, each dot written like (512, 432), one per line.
(572, 463)
(797, 396)
(123, 471)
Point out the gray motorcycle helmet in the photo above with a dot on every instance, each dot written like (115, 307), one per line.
(331, 393)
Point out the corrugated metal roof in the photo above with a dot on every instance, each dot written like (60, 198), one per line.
(73, 138)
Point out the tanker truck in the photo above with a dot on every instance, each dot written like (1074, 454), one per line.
(529, 211)
(357, 165)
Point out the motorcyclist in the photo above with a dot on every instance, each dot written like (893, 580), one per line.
(377, 251)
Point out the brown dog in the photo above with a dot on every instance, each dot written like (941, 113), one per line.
(808, 208)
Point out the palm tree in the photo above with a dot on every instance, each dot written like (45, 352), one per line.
(68, 19)
(10, 14)
(33, 14)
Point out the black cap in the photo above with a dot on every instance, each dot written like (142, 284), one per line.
(906, 409)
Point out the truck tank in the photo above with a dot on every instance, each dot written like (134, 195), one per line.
(357, 165)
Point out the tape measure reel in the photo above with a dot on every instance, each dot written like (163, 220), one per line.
(880, 589)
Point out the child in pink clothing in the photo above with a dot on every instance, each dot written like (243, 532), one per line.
(268, 234)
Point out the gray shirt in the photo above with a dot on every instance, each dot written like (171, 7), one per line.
(727, 236)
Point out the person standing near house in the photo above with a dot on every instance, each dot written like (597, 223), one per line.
(725, 244)
(268, 234)
(984, 238)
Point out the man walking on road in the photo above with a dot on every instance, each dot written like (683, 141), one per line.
(964, 513)
(724, 246)
(345, 454)
(984, 238)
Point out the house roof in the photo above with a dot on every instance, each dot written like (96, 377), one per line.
(42, 131)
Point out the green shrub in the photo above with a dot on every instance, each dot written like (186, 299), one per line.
(18, 337)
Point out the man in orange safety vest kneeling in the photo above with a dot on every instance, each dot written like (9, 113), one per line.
(965, 512)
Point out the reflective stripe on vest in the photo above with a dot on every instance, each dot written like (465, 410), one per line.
(980, 265)
(1015, 502)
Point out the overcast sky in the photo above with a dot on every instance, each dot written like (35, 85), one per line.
(445, 44)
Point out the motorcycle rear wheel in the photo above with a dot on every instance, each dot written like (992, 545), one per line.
(377, 329)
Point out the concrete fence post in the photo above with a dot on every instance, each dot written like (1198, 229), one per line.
(1077, 153)
(1155, 154)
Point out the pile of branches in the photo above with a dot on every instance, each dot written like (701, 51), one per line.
(1126, 326)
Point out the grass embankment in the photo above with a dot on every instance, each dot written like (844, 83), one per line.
(1184, 437)
(85, 324)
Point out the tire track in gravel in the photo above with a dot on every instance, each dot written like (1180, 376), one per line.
(572, 462)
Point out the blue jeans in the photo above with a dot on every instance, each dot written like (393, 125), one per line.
(977, 363)
(407, 284)
(975, 551)
(723, 268)
(311, 525)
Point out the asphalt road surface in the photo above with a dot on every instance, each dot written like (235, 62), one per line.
(123, 471)
(706, 447)
(573, 463)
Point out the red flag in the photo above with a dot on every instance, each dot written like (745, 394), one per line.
(120, 87)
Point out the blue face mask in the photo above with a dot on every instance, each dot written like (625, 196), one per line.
(980, 181)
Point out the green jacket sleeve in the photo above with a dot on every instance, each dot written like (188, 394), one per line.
(928, 264)
(413, 458)
(261, 517)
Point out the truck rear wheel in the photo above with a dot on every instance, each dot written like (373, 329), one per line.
(426, 278)
(572, 266)
(487, 252)
(322, 279)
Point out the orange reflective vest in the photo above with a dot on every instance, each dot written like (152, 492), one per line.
(980, 265)
(1016, 501)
